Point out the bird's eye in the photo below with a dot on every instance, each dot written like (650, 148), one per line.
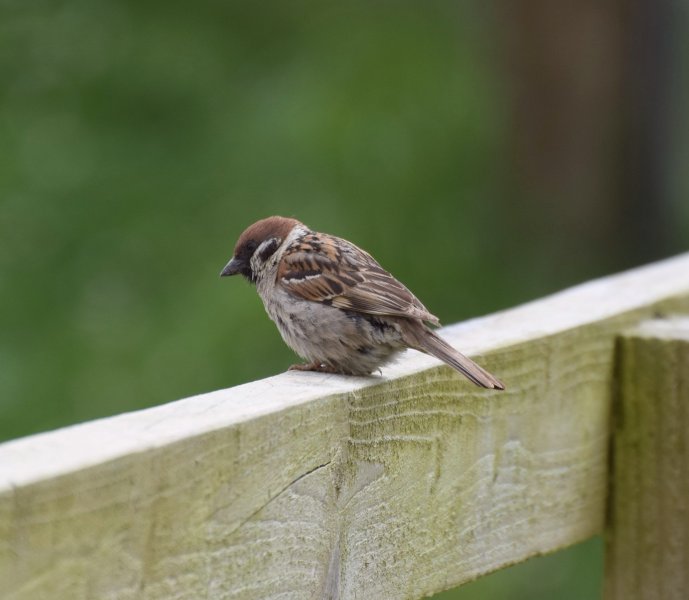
(251, 246)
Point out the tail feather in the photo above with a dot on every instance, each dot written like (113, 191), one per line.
(426, 340)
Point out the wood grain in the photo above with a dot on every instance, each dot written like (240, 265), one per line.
(648, 535)
(307, 485)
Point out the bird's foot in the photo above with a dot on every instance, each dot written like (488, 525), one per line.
(313, 366)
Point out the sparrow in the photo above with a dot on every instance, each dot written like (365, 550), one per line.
(334, 305)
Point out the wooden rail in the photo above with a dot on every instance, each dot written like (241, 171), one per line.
(308, 485)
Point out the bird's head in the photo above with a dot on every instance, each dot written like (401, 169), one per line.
(256, 245)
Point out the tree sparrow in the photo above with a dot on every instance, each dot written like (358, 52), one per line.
(335, 305)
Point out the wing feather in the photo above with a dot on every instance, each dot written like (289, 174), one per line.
(323, 268)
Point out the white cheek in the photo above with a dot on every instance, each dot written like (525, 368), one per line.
(255, 262)
(264, 271)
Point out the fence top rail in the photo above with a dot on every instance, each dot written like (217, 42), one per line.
(48, 455)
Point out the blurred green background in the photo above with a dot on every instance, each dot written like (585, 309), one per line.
(485, 153)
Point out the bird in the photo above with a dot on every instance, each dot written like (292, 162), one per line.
(335, 306)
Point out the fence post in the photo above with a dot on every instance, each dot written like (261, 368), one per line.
(647, 536)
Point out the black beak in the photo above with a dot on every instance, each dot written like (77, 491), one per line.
(232, 268)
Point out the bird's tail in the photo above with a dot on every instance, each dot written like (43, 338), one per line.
(426, 340)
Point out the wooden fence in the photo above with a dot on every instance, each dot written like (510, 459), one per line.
(308, 485)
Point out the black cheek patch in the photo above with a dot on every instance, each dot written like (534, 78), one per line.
(269, 249)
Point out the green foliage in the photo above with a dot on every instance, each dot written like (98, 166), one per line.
(558, 575)
(137, 141)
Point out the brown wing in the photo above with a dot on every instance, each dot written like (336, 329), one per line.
(323, 268)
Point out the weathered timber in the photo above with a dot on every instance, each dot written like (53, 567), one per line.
(308, 485)
(647, 540)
